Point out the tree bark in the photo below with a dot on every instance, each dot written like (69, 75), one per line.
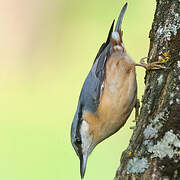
(154, 149)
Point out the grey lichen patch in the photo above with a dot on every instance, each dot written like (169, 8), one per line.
(176, 16)
(152, 129)
(170, 27)
(172, 95)
(171, 102)
(177, 88)
(177, 100)
(160, 79)
(137, 166)
(150, 132)
(160, 31)
(148, 142)
(168, 146)
(158, 117)
(178, 64)
(175, 25)
(167, 31)
(158, 120)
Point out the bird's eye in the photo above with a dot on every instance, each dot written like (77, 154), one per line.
(78, 141)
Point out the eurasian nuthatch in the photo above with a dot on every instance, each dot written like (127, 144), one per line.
(108, 95)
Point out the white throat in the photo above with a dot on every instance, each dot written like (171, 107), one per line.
(85, 137)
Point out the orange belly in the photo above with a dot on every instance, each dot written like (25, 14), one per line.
(119, 95)
(117, 100)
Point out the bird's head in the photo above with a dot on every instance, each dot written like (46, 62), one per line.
(83, 143)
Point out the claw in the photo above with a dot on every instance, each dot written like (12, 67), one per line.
(132, 127)
(142, 60)
(134, 120)
(163, 58)
(153, 66)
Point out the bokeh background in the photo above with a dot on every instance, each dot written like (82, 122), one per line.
(47, 48)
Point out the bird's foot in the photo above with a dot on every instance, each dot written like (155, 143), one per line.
(162, 59)
(151, 66)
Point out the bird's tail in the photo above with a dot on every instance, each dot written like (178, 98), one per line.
(119, 22)
(118, 32)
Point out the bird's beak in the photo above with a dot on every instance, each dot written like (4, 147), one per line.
(83, 162)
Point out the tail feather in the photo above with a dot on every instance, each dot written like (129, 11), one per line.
(119, 22)
(118, 28)
(110, 32)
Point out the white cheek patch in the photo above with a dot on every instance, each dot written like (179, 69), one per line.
(85, 137)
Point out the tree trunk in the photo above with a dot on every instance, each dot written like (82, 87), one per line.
(154, 149)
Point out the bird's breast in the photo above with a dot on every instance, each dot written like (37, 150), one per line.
(119, 95)
(117, 100)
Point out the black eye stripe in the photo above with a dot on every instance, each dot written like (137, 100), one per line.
(78, 140)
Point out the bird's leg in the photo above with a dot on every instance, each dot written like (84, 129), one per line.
(153, 65)
(137, 106)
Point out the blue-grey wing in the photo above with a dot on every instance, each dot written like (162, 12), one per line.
(91, 92)
(92, 87)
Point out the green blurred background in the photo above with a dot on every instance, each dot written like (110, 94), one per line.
(47, 48)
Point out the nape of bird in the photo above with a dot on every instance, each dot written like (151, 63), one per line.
(108, 95)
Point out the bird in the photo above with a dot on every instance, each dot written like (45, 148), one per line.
(108, 95)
